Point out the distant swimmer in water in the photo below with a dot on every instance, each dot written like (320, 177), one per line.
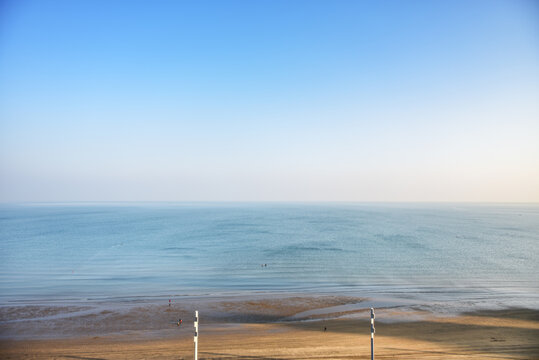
(169, 302)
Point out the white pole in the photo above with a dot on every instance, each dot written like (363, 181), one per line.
(196, 335)
(372, 334)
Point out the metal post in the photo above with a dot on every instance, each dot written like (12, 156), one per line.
(372, 334)
(196, 335)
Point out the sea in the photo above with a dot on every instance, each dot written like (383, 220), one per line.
(447, 256)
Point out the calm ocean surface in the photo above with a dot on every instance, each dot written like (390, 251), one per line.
(483, 255)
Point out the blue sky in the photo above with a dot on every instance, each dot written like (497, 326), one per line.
(269, 101)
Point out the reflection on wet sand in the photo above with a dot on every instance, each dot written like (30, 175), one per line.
(293, 327)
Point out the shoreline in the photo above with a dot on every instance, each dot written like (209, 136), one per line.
(60, 319)
(71, 320)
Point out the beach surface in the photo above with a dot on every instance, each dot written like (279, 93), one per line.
(94, 281)
(277, 328)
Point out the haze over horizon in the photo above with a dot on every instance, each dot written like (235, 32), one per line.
(269, 101)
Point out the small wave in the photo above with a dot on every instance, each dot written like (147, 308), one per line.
(301, 248)
(177, 248)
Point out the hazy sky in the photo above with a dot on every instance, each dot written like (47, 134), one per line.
(269, 100)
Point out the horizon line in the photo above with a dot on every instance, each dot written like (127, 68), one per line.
(104, 202)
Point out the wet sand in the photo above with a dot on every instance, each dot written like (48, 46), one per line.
(266, 329)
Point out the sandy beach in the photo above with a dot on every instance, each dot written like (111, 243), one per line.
(268, 329)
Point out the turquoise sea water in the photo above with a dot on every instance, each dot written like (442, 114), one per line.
(484, 255)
